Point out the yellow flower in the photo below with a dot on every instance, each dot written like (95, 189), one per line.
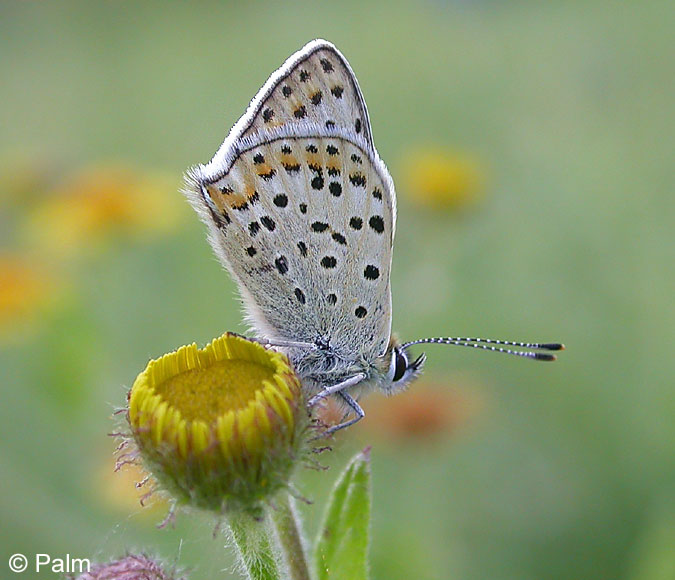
(25, 290)
(220, 427)
(99, 202)
(442, 179)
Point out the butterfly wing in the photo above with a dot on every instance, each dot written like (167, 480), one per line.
(314, 85)
(303, 216)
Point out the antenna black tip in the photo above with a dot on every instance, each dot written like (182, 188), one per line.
(543, 356)
(552, 346)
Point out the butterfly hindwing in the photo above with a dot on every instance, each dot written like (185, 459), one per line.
(305, 225)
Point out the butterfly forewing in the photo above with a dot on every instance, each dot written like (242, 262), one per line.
(315, 85)
(306, 226)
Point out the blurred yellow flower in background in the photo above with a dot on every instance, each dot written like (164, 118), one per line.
(440, 178)
(25, 291)
(99, 202)
(126, 490)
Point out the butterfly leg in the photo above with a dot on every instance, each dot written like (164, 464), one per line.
(278, 342)
(323, 393)
(285, 343)
(358, 411)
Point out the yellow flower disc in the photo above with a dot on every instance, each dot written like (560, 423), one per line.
(219, 427)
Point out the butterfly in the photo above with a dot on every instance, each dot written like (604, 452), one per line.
(301, 211)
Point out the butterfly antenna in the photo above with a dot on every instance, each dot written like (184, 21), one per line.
(488, 344)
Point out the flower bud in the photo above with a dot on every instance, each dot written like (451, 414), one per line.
(219, 427)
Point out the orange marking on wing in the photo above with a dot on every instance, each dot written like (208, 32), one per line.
(314, 159)
(217, 196)
(286, 159)
(333, 164)
(249, 191)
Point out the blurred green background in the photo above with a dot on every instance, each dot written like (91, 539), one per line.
(489, 467)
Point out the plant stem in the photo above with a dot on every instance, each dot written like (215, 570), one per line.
(286, 521)
(254, 548)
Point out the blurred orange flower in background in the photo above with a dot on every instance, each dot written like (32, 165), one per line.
(440, 178)
(26, 290)
(430, 408)
(99, 202)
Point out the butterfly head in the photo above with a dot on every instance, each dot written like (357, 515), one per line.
(400, 369)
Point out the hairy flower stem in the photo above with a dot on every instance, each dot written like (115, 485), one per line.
(288, 530)
(271, 550)
(257, 556)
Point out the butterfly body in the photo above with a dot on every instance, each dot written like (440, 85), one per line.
(302, 211)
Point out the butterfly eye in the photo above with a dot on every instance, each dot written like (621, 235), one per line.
(401, 365)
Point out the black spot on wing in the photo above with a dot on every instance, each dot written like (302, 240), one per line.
(291, 167)
(281, 200)
(319, 227)
(326, 65)
(371, 272)
(357, 179)
(281, 264)
(328, 262)
(335, 188)
(268, 222)
(316, 97)
(339, 238)
(376, 223)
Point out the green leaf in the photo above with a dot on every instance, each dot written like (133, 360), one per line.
(342, 546)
